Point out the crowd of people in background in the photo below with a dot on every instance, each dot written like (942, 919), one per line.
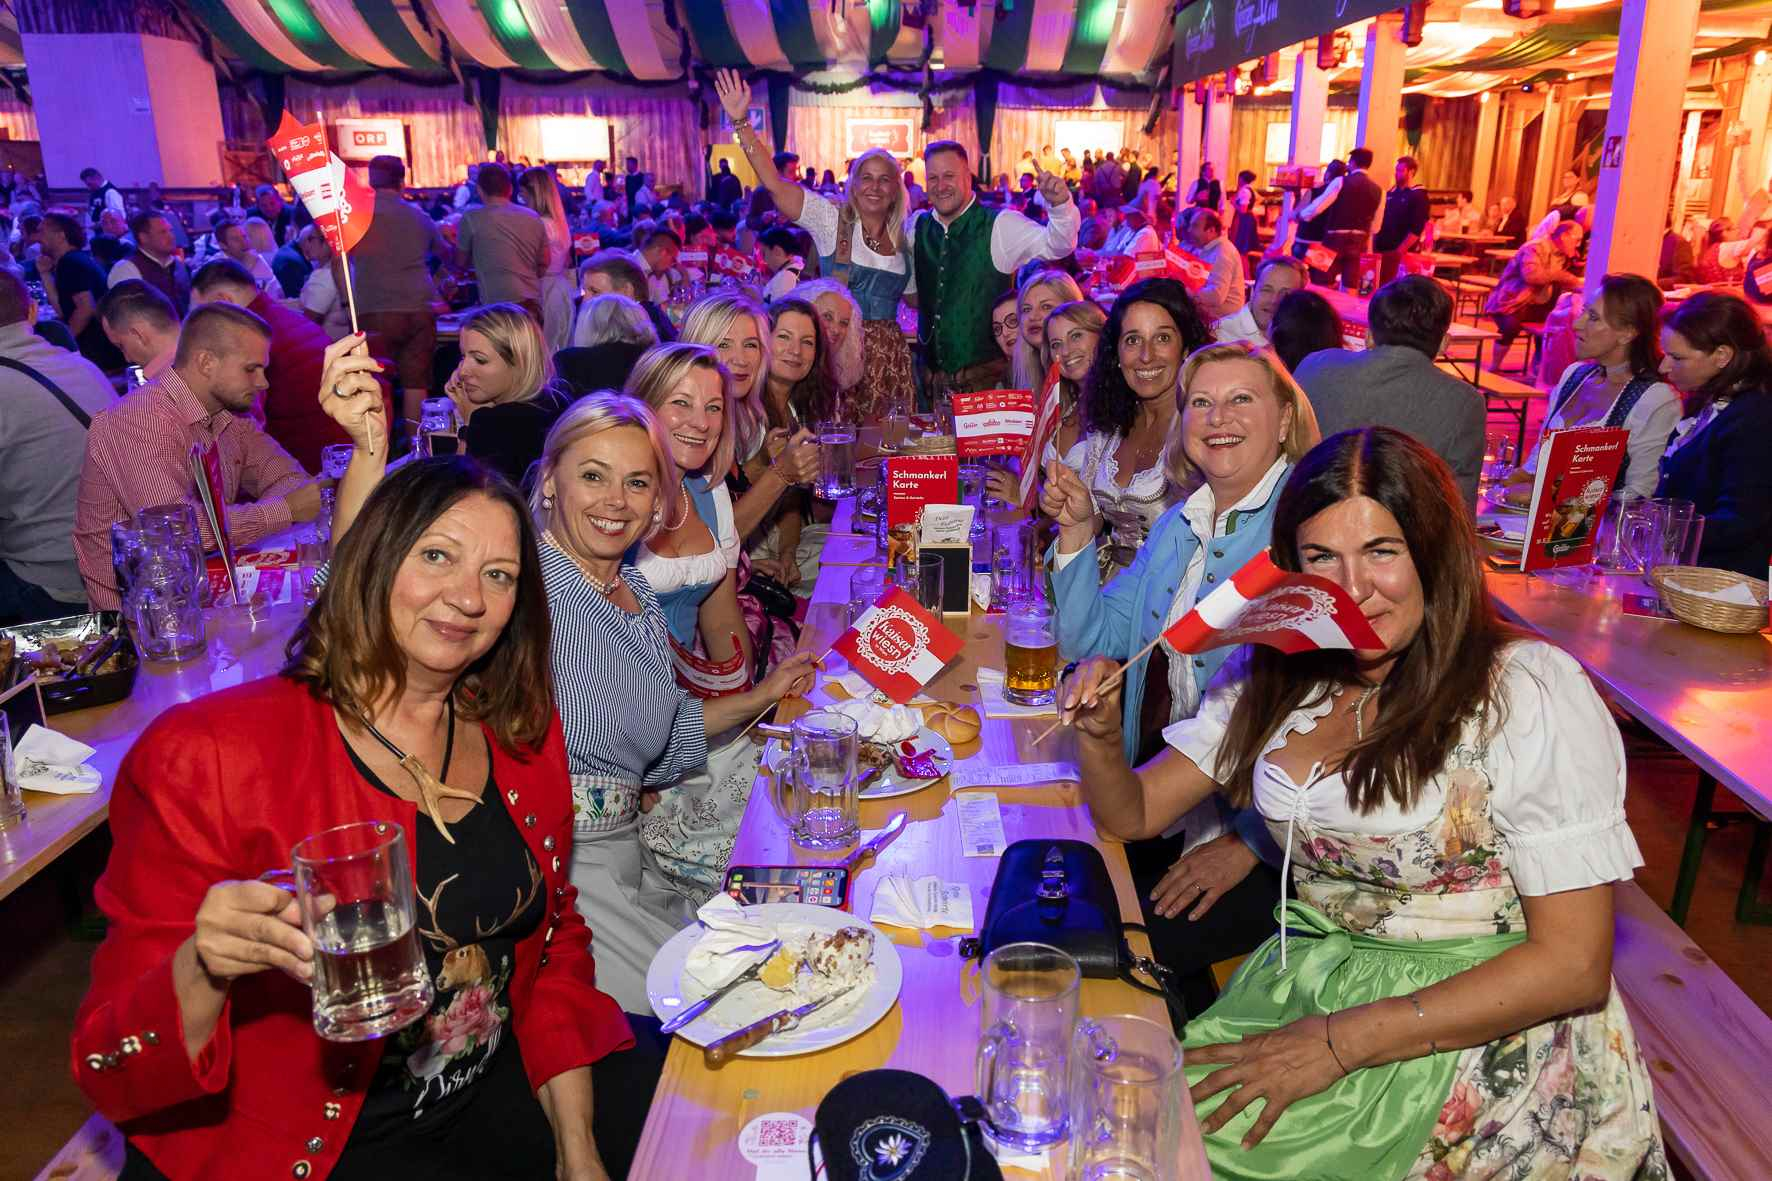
(641, 378)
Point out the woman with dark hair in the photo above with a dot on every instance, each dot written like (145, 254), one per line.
(1452, 810)
(417, 691)
(1614, 381)
(1304, 323)
(1206, 192)
(1006, 322)
(1128, 411)
(1244, 224)
(1715, 352)
(799, 392)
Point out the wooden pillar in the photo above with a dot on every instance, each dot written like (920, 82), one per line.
(1640, 150)
(1310, 105)
(1381, 95)
(1548, 167)
(1756, 112)
(1483, 157)
(1218, 137)
(1190, 127)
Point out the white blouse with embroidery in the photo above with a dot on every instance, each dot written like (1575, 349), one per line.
(1555, 766)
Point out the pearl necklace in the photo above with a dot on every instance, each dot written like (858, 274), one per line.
(605, 588)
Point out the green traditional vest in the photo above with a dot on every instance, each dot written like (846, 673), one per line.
(956, 283)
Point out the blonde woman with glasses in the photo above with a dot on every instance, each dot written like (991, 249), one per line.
(540, 192)
(766, 463)
(505, 393)
(861, 242)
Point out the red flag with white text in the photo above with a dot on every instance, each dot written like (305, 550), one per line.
(339, 203)
(897, 646)
(1046, 421)
(1263, 604)
(1183, 266)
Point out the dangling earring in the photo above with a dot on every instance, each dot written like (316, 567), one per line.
(547, 501)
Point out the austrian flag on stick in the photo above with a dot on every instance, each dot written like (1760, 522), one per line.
(340, 204)
(1263, 604)
(898, 646)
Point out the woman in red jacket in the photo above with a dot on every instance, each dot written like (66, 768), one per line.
(196, 1035)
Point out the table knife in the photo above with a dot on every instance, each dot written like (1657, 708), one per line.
(707, 1002)
(732, 1044)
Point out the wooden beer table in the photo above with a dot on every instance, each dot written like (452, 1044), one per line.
(1705, 693)
(698, 1113)
(242, 646)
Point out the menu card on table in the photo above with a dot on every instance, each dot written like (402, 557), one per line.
(1577, 469)
(206, 474)
(913, 481)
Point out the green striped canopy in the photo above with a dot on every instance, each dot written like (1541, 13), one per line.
(636, 39)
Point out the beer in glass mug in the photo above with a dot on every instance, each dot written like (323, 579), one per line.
(1030, 655)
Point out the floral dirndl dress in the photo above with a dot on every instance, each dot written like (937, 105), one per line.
(1379, 917)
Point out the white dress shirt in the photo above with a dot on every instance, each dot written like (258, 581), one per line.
(1017, 239)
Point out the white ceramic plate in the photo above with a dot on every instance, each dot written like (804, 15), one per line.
(890, 782)
(1503, 508)
(832, 1025)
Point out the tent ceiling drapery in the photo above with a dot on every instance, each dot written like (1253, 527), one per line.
(644, 39)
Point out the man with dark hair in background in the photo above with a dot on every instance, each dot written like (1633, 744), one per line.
(155, 260)
(633, 182)
(659, 252)
(505, 243)
(141, 322)
(1350, 208)
(787, 166)
(616, 271)
(104, 194)
(138, 451)
(270, 205)
(76, 284)
(1396, 384)
(47, 398)
(1404, 219)
(725, 189)
(391, 274)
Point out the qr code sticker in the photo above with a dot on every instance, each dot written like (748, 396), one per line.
(778, 1133)
(777, 1136)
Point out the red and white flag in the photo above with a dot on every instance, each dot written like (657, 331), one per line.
(340, 205)
(1320, 257)
(729, 261)
(992, 422)
(1046, 421)
(898, 646)
(1263, 604)
(1150, 264)
(1183, 266)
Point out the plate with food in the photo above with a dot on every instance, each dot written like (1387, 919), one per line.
(898, 754)
(79, 661)
(775, 957)
(1504, 540)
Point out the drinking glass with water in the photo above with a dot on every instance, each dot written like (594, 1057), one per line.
(836, 461)
(354, 884)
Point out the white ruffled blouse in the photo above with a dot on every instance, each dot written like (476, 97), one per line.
(1555, 765)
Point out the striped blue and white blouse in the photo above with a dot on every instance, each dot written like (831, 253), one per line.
(623, 714)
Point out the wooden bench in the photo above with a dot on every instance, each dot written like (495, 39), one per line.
(1706, 1043)
(1474, 289)
(1509, 395)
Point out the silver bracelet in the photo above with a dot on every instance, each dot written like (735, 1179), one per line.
(1432, 1046)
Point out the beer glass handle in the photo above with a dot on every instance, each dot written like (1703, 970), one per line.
(984, 1073)
(787, 788)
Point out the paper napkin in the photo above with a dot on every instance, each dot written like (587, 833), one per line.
(48, 760)
(730, 945)
(990, 693)
(922, 903)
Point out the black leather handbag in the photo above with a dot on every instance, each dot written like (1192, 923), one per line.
(1058, 892)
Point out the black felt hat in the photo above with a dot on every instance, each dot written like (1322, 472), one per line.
(894, 1125)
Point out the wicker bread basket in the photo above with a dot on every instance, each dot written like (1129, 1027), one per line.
(1674, 582)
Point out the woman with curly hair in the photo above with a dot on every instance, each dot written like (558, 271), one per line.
(846, 356)
(1129, 411)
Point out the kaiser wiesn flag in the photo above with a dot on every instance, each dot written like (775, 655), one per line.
(898, 646)
(1263, 604)
(1183, 266)
(339, 204)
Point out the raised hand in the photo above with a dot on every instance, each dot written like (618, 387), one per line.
(735, 96)
(350, 395)
(1053, 188)
(1066, 499)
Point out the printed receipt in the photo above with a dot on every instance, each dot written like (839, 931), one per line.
(965, 775)
(981, 825)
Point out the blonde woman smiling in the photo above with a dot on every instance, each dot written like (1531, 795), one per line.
(504, 390)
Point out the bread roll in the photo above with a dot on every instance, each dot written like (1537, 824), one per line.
(956, 723)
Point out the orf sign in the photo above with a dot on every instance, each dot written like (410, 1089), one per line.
(362, 140)
(894, 135)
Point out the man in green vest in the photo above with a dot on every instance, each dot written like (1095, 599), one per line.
(965, 255)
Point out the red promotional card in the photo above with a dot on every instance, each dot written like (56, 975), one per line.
(1353, 335)
(1120, 269)
(1320, 257)
(897, 646)
(1576, 471)
(729, 261)
(206, 476)
(1368, 273)
(1192, 273)
(913, 481)
(993, 422)
(693, 258)
(1150, 265)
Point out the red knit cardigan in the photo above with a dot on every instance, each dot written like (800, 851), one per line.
(223, 788)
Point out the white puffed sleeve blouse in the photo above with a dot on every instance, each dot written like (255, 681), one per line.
(1555, 766)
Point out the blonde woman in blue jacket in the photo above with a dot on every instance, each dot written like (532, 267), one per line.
(1242, 425)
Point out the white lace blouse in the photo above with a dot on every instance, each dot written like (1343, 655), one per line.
(670, 574)
(1555, 766)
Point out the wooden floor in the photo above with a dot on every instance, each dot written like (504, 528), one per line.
(43, 968)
